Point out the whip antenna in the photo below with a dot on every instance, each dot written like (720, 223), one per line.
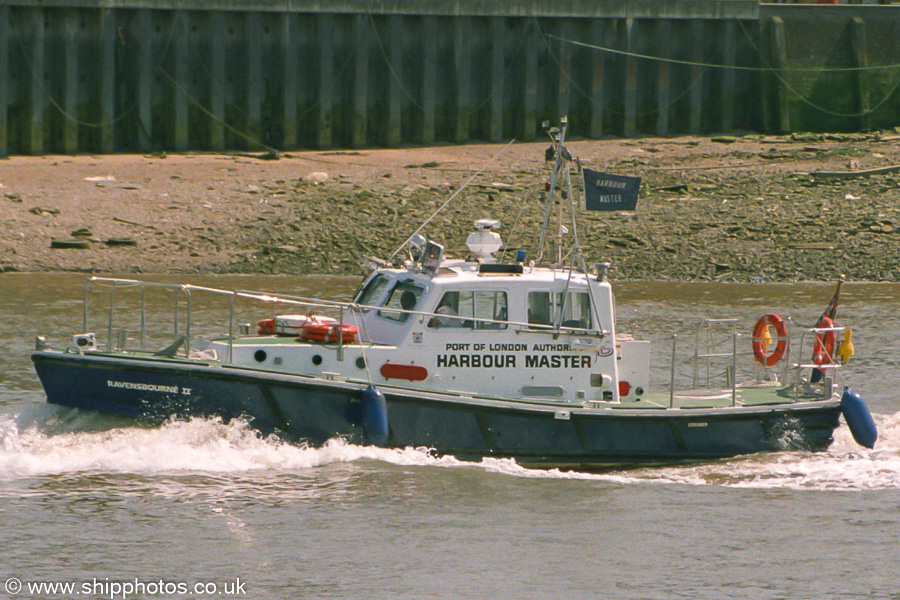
(450, 199)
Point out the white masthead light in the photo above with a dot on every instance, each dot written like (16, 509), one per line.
(484, 241)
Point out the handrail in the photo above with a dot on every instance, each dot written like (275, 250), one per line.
(672, 374)
(697, 355)
(734, 338)
(143, 318)
(118, 282)
(308, 303)
(711, 352)
(109, 335)
(187, 326)
(822, 330)
(831, 363)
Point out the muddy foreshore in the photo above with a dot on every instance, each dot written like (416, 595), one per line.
(793, 208)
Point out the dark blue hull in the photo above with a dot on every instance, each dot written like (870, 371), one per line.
(315, 410)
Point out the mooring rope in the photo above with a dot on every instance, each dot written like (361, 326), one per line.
(690, 63)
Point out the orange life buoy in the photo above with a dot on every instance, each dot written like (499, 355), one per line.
(823, 351)
(763, 357)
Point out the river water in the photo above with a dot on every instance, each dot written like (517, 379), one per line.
(200, 508)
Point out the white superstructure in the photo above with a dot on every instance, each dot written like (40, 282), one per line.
(476, 328)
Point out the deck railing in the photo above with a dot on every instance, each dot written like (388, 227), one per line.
(345, 311)
(186, 291)
(708, 350)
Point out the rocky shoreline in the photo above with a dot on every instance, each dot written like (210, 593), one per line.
(793, 208)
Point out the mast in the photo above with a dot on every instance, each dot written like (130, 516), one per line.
(557, 137)
(561, 169)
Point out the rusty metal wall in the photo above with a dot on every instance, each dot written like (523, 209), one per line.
(125, 76)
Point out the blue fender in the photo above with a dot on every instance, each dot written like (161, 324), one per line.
(375, 418)
(859, 419)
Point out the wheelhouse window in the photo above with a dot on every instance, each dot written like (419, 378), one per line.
(461, 309)
(544, 309)
(403, 297)
(373, 290)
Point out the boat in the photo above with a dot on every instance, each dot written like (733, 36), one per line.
(474, 357)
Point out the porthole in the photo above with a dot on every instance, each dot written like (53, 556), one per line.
(317, 359)
(360, 363)
(260, 356)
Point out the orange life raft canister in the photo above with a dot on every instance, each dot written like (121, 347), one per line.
(329, 332)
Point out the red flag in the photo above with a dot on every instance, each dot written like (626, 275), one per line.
(831, 309)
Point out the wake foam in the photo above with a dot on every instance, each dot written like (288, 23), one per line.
(197, 445)
(845, 466)
(52, 441)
